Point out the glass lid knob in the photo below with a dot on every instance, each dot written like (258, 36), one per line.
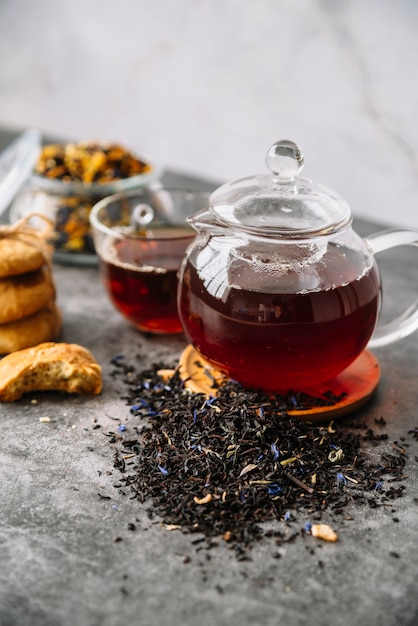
(284, 160)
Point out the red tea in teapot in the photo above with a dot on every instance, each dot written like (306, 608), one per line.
(141, 277)
(284, 340)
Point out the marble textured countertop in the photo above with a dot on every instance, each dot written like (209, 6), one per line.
(67, 553)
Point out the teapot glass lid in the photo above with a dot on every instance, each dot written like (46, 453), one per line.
(280, 202)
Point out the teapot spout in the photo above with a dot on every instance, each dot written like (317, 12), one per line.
(204, 222)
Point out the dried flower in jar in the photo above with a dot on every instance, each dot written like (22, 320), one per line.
(89, 162)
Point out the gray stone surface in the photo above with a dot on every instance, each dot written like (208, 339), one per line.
(68, 557)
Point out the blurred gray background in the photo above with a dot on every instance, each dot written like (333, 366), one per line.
(206, 86)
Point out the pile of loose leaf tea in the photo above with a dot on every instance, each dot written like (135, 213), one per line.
(229, 465)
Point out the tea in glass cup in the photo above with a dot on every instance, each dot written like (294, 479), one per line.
(141, 238)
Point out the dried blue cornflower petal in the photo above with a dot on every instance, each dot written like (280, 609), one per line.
(116, 359)
(274, 489)
(308, 526)
(275, 450)
(163, 470)
(341, 478)
(378, 485)
(136, 407)
(121, 428)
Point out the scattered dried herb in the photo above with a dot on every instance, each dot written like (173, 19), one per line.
(230, 465)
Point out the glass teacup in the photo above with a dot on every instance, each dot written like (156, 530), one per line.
(141, 238)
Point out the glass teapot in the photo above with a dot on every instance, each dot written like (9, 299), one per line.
(277, 291)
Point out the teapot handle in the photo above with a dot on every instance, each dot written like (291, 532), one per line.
(407, 322)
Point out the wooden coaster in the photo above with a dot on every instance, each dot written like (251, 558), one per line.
(355, 385)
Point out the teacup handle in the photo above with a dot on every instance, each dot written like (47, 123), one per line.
(407, 322)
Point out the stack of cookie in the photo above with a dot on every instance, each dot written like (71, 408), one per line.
(28, 311)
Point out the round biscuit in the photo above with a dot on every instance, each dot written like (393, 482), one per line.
(42, 326)
(25, 294)
(19, 257)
